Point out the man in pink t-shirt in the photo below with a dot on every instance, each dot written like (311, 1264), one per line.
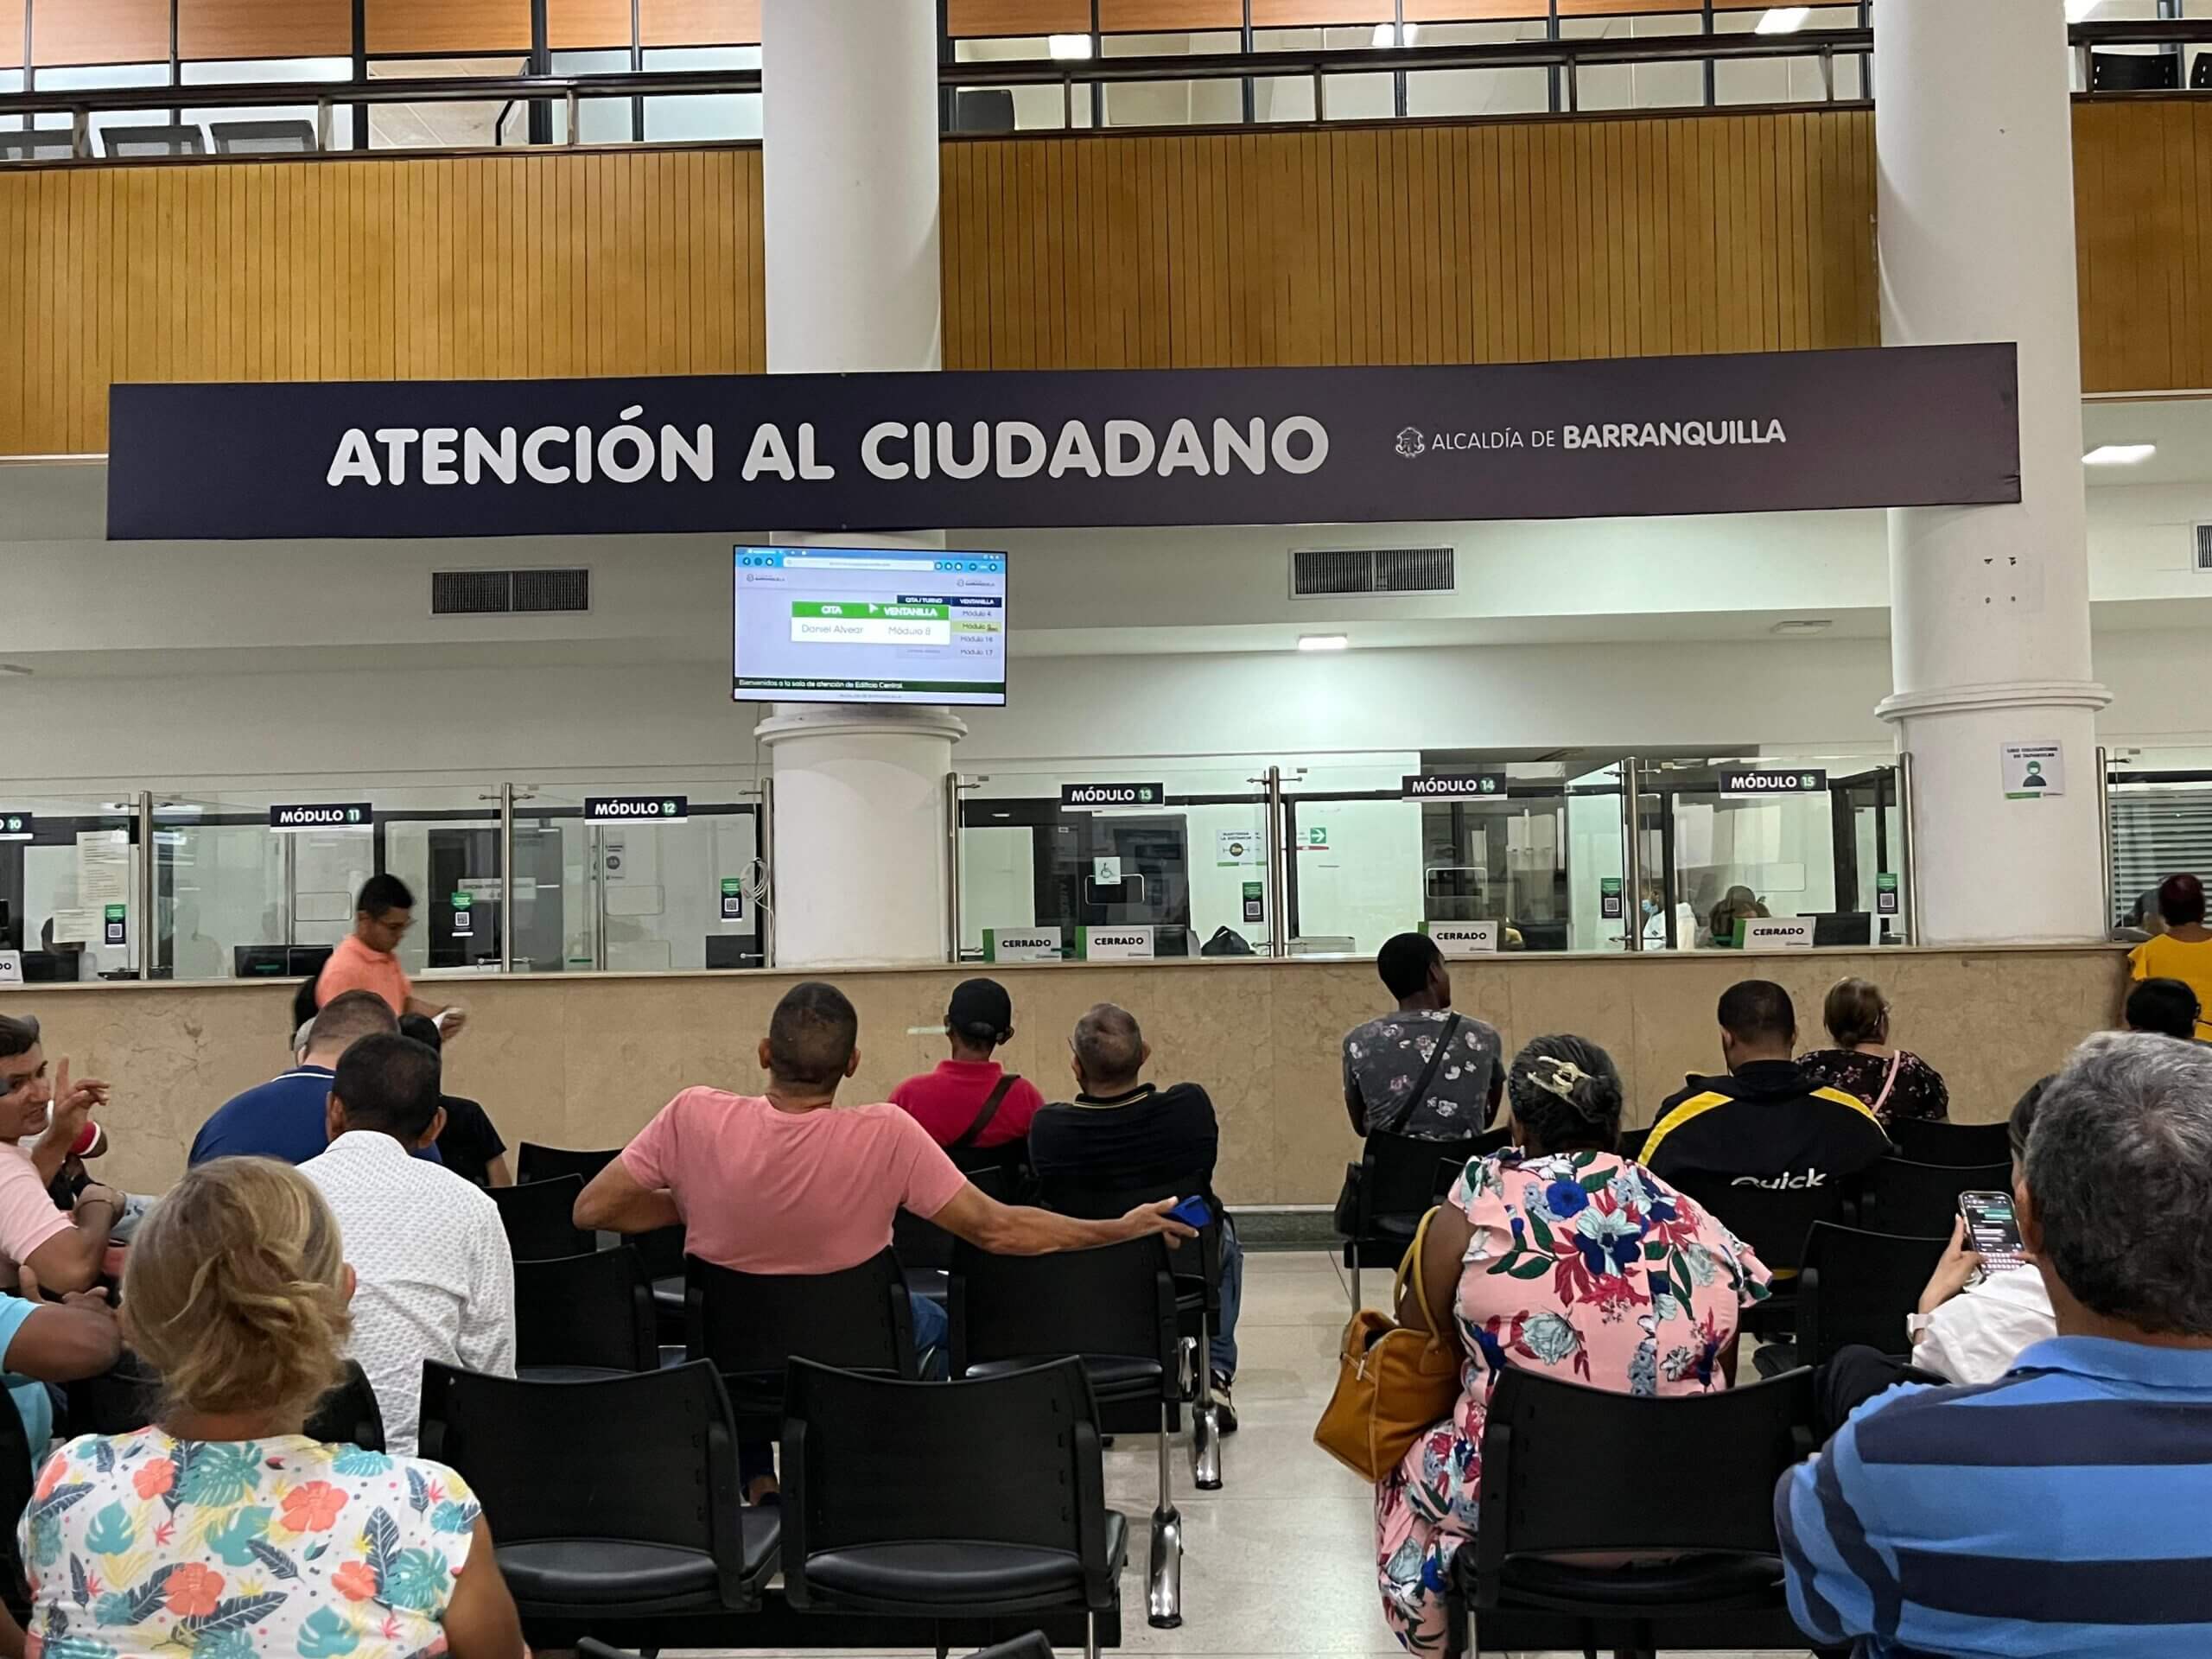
(780, 1183)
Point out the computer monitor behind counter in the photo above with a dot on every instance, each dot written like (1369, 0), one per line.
(278, 960)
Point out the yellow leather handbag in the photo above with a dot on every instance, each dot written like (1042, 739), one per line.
(1394, 1382)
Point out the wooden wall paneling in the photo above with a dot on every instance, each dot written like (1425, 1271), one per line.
(97, 31)
(699, 22)
(1313, 13)
(211, 31)
(11, 34)
(585, 25)
(978, 19)
(1144, 17)
(447, 28)
(1473, 11)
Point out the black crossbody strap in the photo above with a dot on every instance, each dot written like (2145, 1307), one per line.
(992, 1101)
(1427, 1075)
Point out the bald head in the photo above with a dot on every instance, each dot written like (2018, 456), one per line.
(343, 1022)
(1109, 1051)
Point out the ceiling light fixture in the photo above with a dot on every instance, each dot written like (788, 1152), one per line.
(1068, 45)
(1324, 642)
(1803, 625)
(2119, 454)
(1783, 20)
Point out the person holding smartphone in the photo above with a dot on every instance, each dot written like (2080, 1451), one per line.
(1971, 1332)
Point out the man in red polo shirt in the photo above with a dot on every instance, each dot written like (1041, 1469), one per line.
(970, 1106)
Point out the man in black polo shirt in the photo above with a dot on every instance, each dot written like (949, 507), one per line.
(1739, 1143)
(1125, 1138)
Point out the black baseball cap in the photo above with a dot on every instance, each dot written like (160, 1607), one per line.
(981, 1010)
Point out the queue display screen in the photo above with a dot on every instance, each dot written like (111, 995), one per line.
(870, 625)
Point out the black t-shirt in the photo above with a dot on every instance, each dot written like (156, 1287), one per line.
(468, 1143)
(1097, 1159)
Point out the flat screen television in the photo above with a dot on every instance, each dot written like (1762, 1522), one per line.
(869, 625)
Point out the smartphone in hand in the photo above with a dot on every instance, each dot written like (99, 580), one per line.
(1993, 1229)
(1193, 1211)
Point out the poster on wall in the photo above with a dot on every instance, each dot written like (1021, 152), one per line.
(1236, 847)
(1622, 437)
(2034, 772)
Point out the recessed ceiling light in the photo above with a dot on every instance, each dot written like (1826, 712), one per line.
(1803, 625)
(1323, 641)
(1783, 20)
(16, 669)
(1068, 45)
(2119, 454)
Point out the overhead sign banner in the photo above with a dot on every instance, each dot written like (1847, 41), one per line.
(1767, 432)
(1113, 794)
(636, 809)
(322, 814)
(16, 826)
(1754, 780)
(1453, 786)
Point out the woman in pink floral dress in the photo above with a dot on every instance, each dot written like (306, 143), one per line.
(1561, 1256)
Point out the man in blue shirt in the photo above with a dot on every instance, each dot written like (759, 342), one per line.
(2061, 1509)
(285, 1118)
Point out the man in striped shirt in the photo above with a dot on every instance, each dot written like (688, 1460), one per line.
(2063, 1508)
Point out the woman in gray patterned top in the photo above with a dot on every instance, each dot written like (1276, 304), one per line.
(1385, 1059)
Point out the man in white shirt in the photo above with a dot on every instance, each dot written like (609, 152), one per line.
(437, 1280)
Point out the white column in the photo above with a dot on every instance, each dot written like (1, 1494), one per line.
(1989, 614)
(849, 196)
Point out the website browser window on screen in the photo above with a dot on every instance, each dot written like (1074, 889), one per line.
(869, 625)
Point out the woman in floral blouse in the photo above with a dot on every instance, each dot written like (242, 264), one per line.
(1558, 1255)
(223, 1531)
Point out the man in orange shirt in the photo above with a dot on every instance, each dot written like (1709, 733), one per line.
(367, 960)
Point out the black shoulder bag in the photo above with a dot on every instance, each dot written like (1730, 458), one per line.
(992, 1101)
(1346, 1217)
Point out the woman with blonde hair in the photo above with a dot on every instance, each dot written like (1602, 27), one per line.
(223, 1530)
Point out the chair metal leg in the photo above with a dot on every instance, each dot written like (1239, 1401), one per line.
(1356, 1302)
(1205, 1420)
(1090, 1636)
(1164, 1592)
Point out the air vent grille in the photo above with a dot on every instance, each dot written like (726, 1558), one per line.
(501, 592)
(1327, 572)
(2204, 547)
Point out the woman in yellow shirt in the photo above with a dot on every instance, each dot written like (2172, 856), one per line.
(2184, 951)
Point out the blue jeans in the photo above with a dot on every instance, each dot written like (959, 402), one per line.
(1221, 1349)
(932, 1329)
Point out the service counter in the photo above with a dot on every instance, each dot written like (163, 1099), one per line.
(583, 1060)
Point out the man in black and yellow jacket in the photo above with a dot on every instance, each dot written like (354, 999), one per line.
(1745, 1143)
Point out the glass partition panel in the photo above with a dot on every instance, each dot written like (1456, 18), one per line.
(240, 899)
(1176, 848)
(642, 894)
(69, 886)
(1819, 837)
(1597, 862)
(2160, 807)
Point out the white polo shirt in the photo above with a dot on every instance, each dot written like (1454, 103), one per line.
(437, 1279)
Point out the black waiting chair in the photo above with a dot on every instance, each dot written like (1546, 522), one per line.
(348, 1415)
(614, 1501)
(1631, 1146)
(753, 1325)
(1395, 1186)
(18, 1472)
(1715, 1580)
(1114, 1309)
(2200, 74)
(536, 1163)
(988, 109)
(2134, 72)
(538, 1217)
(924, 1249)
(1774, 1225)
(1922, 1201)
(1954, 1146)
(1860, 1287)
(949, 1500)
(579, 1316)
